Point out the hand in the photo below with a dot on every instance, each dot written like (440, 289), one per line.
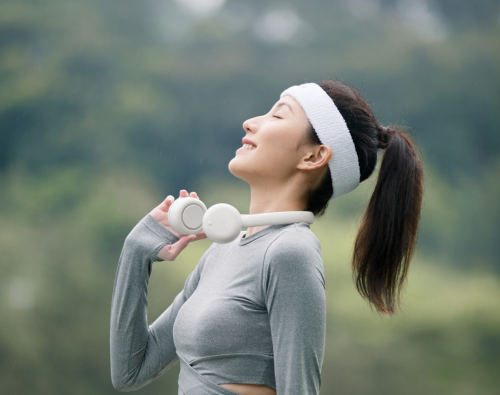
(170, 252)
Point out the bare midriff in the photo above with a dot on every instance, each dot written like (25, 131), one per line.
(249, 389)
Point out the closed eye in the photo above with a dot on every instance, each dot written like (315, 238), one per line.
(274, 116)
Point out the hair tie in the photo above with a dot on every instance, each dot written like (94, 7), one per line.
(332, 131)
(383, 136)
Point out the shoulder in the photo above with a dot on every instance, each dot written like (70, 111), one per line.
(296, 249)
(297, 239)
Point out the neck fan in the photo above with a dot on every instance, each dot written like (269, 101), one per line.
(222, 222)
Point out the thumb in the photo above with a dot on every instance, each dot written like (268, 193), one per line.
(182, 243)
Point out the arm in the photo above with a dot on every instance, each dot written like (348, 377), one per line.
(140, 354)
(296, 303)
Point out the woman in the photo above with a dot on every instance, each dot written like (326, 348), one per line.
(252, 315)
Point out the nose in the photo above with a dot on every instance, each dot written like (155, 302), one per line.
(249, 125)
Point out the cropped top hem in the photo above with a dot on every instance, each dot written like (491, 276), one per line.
(234, 368)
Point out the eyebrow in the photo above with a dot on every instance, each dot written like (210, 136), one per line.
(284, 104)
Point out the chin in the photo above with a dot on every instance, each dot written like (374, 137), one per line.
(235, 169)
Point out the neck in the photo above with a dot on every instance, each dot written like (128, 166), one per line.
(274, 197)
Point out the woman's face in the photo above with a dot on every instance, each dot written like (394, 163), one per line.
(275, 136)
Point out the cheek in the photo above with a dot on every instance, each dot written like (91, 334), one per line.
(276, 154)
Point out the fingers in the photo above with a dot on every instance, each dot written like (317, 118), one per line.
(183, 193)
(165, 205)
(200, 236)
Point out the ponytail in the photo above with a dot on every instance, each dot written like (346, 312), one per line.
(388, 233)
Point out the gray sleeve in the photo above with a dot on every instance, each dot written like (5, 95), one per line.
(140, 354)
(294, 288)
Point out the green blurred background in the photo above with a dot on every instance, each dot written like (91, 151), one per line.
(106, 107)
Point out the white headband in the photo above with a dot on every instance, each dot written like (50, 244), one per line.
(332, 130)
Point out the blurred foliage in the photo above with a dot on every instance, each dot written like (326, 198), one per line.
(106, 107)
(100, 85)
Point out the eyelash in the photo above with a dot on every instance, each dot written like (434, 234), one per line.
(274, 116)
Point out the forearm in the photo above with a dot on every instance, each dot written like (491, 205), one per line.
(135, 355)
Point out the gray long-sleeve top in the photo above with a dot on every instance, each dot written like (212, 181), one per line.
(252, 311)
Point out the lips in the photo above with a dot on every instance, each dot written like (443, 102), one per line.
(248, 141)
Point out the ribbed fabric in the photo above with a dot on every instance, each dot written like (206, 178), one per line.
(332, 130)
(252, 311)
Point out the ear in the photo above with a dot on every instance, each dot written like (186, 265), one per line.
(316, 156)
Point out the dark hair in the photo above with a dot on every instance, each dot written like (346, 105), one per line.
(388, 233)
